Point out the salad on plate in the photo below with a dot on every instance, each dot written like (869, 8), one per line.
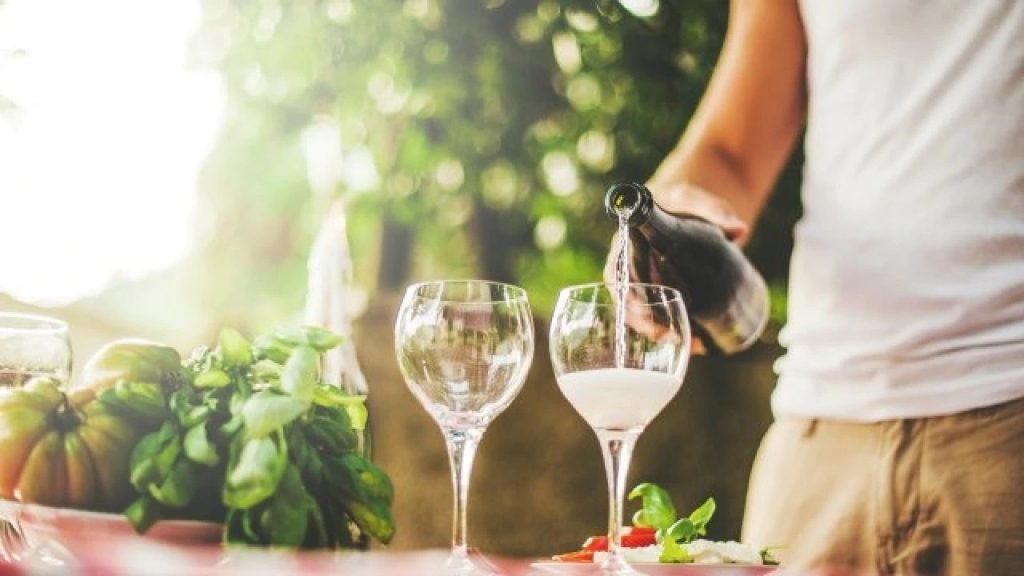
(659, 535)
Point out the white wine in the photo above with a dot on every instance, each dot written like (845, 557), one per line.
(618, 398)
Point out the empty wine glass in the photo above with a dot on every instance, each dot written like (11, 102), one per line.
(464, 348)
(619, 354)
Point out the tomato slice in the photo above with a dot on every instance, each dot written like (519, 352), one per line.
(596, 544)
(632, 537)
(638, 539)
(580, 556)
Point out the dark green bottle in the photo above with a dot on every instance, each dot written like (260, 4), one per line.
(726, 298)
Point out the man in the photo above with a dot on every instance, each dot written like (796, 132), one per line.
(898, 445)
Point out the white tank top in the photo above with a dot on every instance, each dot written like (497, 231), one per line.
(907, 278)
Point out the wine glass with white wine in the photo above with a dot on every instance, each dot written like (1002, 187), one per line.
(619, 354)
(31, 346)
(464, 348)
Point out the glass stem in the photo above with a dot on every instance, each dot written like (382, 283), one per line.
(617, 446)
(462, 444)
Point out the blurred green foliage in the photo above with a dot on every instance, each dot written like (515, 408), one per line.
(493, 128)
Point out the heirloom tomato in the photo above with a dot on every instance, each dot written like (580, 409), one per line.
(64, 449)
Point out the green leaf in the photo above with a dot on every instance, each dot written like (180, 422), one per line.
(702, 515)
(141, 401)
(235, 349)
(320, 339)
(327, 395)
(672, 552)
(254, 475)
(199, 448)
(656, 509)
(358, 479)
(299, 377)
(143, 513)
(179, 486)
(287, 517)
(689, 528)
(212, 378)
(195, 416)
(682, 531)
(272, 348)
(268, 411)
(332, 433)
(230, 428)
(250, 525)
(374, 519)
(167, 456)
(144, 469)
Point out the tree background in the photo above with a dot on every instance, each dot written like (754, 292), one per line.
(475, 138)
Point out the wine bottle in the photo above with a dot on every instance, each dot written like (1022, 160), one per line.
(725, 296)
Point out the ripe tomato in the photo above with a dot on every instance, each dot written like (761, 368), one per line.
(63, 450)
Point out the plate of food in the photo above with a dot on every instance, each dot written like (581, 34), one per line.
(661, 543)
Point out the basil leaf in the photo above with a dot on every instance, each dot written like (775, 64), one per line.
(320, 339)
(656, 509)
(254, 475)
(288, 513)
(682, 531)
(144, 468)
(702, 515)
(195, 416)
(373, 519)
(230, 428)
(143, 513)
(266, 411)
(332, 433)
(300, 373)
(179, 486)
(687, 529)
(198, 447)
(250, 523)
(272, 348)
(168, 455)
(357, 478)
(234, 348)
(672, 552)
(330, 396)
(212, 378)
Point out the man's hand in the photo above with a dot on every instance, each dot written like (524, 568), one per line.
(682, 198)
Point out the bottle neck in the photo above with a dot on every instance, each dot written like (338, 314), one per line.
(631, 201)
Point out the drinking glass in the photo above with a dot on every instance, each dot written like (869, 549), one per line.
(464, 347)
(30, 346)
(619, 354)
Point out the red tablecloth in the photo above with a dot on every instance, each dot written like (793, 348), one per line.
(134, 557)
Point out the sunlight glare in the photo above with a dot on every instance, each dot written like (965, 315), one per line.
(98, 172)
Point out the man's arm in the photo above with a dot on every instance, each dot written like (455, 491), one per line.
(743, 131)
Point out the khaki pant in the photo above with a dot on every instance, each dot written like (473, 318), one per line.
(942, 495)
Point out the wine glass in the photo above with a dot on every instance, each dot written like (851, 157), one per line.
(30, 346)
(619, 353)
(464, 347)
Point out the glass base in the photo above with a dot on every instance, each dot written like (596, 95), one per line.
(461, 563)
(614, 565)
